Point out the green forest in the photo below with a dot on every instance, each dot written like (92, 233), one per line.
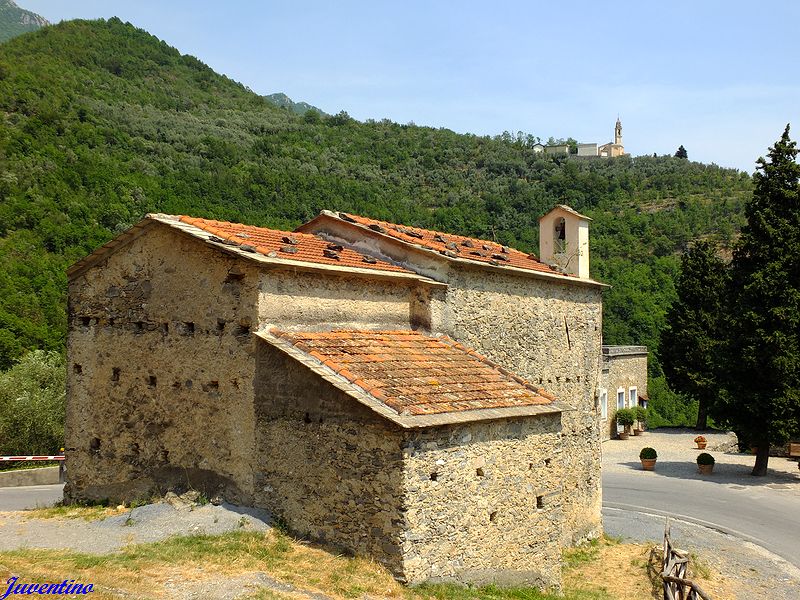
(102, 123)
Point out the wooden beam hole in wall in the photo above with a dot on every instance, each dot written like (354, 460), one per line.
(493, 516)
(479, 472)
(115, 374)
(539, 502)
(77, 369)
(434, 477)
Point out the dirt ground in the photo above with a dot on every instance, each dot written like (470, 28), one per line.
(630, 572)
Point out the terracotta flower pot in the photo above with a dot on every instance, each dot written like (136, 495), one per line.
(701, 445)
(705, 469)
(637, 432)
(648, 464)
(623, 435)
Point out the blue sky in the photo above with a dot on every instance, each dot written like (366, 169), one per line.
(720, 77)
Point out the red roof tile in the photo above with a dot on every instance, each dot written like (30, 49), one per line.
(456, 246)
(301, 247)
(416, 374)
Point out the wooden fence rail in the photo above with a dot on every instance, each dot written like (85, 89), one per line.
(673, 573)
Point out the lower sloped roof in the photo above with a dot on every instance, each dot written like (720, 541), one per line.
(419, 379)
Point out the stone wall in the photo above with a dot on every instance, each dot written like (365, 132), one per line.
(549, 333)
(624, 367)
(312, 300)
(328, 466)
(160, 371)
(484, 502)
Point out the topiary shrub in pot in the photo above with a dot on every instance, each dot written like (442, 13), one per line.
(625, 417)
(701, 442)
(705, 463)
(641, 419)
(648, 457)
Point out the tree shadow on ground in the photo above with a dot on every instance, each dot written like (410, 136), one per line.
(727, 474)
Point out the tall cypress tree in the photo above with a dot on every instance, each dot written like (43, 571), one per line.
(761, 374)
(690, 342)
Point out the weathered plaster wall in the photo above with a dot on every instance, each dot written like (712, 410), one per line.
(161, 370)
(302, 299)
(623, 367)
(549, 333)
(328, 466)
(484, 502)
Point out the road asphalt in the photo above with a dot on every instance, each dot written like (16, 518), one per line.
(760, 510)
(31, 496)
(764, 516)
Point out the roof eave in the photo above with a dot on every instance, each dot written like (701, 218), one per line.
(264, 261)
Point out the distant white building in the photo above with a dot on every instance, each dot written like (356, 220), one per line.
(609, 150)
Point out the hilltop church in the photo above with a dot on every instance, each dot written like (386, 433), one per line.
(423, 398)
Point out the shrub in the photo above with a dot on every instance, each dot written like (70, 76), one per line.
(699, 439)
(626, 416)
(32, 394)
(641, 414)
(705, 458)
(648, 454)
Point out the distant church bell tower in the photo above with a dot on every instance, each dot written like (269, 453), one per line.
(618, 133)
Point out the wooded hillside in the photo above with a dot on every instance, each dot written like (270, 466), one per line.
(102, 123)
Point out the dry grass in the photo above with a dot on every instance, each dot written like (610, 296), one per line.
(74, 511)
(603, 570)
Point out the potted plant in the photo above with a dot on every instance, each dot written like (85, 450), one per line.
(641, 419)
(648, 457)
(701, 442)
(625, 417)
(705, 463)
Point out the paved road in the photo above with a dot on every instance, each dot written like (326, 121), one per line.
(765, 516)
(32, 496)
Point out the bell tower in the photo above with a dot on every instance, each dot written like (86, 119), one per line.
(564, 241)
(618, 132)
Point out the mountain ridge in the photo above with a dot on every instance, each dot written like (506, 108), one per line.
(15, 21)
(298, 108)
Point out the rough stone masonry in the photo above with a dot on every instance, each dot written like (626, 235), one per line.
(243, 361)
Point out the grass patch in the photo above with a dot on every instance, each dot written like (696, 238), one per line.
(603, 569)
(96, 512)
(456, 592)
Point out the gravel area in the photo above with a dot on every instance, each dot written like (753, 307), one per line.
(677, 453)
(150, 523)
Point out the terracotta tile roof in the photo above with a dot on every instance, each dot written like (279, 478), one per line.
(302, 247)
(416, 374)
(456, 246)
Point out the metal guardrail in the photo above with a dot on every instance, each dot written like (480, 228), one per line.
(39, 457)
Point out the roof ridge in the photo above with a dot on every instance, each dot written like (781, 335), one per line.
(451, 245)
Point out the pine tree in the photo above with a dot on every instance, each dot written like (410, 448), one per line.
(681, 152)
(761, 399)
(690, 342)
